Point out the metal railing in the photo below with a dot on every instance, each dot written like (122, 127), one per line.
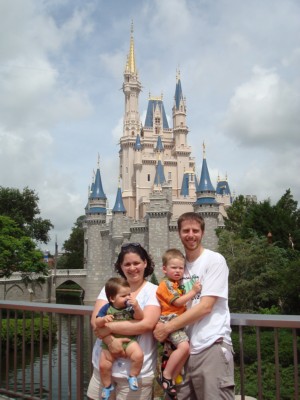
(260, 324)
(46, 350)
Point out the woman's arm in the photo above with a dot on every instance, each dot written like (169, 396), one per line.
(134, 327)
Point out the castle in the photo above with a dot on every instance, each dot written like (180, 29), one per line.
(158, 184)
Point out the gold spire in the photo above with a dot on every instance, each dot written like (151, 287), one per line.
(204, 155)
(130, 66)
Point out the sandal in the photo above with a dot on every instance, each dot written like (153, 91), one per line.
(170, 389)
(106, 392)
(133, 383)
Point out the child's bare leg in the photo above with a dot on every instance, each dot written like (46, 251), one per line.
(105, 367)
(136, 356)
(177, 360)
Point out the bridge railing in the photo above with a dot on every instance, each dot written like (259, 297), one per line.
(58, 366)
(73, 272)
(17, 276)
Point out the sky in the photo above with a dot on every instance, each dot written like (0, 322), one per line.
(61, 102)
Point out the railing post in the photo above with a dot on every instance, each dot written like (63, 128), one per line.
(79, 383)
(242, 371)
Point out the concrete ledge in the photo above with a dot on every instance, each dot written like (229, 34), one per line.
(239, 397)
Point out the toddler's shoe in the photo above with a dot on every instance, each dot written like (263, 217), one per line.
(106, 392)
(133, 383)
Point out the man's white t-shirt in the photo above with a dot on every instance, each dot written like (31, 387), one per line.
(212, 271)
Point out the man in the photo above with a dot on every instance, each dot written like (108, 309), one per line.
(209, 372)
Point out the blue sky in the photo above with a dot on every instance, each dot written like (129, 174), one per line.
(61, 103)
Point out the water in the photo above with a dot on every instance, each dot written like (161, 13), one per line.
(22, 377)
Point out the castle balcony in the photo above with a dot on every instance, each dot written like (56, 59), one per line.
(46, 352)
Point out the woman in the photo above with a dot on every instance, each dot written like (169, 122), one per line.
(134, 264)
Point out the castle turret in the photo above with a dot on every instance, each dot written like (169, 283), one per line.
(137, 172)
(119, 206)
(95, 235)
(96, 209)
(131, 128)
(179, 116)
(159, 179)
(117, 223)
(207, 205)
(189, 184)
(223, 195)
(159, 145)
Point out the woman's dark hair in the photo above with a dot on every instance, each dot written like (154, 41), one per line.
(140, 251)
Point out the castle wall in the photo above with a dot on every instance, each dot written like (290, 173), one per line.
(99, 267)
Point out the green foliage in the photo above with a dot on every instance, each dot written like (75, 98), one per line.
(17, 332)
(18, 253)
(264, 273)
(255, 272)
(73, 257)
(268, 375)
(282, 220)
(153, 279)
(267, 344)
(23, 208)
(264, 278)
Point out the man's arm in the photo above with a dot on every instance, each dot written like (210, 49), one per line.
(196, 313)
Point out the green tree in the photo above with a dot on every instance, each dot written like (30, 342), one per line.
(287, 229)
(237, 213)
(73, 256)
(23, 208)
(282, 220)
(256, 269)
(18, 253)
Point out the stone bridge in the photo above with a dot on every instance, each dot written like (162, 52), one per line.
(13, 288)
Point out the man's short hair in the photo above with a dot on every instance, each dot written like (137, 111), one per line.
(191, 216)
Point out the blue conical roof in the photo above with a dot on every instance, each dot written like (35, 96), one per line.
(97, 192)
(178, 94)
(223, 188)
(205, 184)
(185, 185)
(138, 145)
(159, 144)
(152, 103)
(119, 205)
(205, 191)
(159, 176)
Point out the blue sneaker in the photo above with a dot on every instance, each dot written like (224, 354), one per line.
(106, 392)
(133, 383)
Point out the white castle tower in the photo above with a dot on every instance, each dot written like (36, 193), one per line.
(157, 184)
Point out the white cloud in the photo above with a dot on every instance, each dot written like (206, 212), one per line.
(264, 111)
(61, 72)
